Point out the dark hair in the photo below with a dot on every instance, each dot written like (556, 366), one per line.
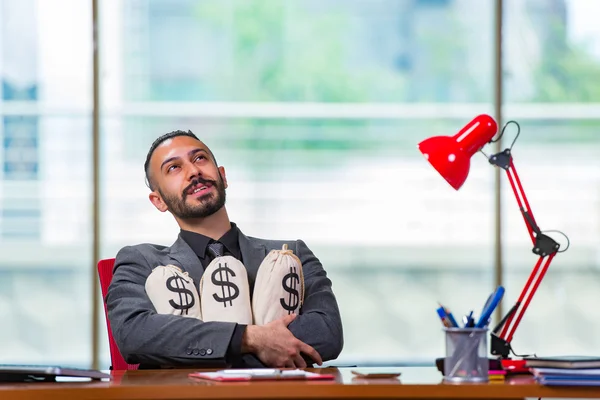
(158, 142)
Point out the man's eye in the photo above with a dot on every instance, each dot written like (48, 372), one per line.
(201, 157)
(172, 167)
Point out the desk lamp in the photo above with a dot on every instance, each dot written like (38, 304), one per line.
(451, 157)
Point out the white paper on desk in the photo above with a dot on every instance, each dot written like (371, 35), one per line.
(260, 374)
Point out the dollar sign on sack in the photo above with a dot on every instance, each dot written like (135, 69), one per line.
(293, 297)
(224, 269)
(186, 298)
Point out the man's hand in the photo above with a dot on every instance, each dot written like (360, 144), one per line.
(276, 346)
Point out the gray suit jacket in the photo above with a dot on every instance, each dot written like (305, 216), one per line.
(143, 336)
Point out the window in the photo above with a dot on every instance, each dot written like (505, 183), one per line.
(45, 182)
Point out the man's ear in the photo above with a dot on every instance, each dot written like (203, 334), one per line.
(156, 199)
(223, 175)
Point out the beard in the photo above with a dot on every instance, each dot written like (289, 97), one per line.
(203, 206)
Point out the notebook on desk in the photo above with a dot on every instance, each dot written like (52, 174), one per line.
(37, 373)
(567, 376)
(572, 362)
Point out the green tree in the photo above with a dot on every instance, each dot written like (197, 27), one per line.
(282, 52)
(566, 72)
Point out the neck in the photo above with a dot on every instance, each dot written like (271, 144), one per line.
(214, 226)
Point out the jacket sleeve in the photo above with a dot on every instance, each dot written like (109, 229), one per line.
(143, 336)
(319, 323)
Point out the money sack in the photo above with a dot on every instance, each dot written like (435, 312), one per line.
(225, 292)
(279, 286)
(172, 291)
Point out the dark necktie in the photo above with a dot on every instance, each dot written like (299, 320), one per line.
(215, 249)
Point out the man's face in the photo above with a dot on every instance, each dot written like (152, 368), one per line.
(186, 180)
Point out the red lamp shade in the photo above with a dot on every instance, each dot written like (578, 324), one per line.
(451, 155)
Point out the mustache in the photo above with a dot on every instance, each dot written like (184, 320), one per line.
(196, 182)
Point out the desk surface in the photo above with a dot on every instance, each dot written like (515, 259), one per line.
(415, 382)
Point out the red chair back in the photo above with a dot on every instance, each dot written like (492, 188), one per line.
(105, 272)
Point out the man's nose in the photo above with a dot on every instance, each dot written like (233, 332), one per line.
(193, 171)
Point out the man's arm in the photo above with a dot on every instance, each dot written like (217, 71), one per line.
(143, 336)
(319, 323)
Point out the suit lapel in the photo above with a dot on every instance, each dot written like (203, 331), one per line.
(184, 257)
(253, 254)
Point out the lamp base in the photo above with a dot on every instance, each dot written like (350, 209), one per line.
(515, 366)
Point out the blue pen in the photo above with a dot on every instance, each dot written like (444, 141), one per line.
(442, 314)
(452, 320)
(469, 321)
(449, 316)
(489, 307)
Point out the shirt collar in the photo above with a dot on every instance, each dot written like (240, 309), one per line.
(199, 243)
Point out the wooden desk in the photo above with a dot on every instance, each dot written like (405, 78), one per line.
(415, 382)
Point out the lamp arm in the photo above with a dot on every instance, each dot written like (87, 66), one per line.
(544, 246)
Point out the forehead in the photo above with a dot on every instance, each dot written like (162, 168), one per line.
(178, 146)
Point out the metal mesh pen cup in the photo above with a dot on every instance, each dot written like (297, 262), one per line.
(466, 355)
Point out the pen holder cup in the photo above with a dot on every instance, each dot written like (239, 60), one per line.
(466, 355)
